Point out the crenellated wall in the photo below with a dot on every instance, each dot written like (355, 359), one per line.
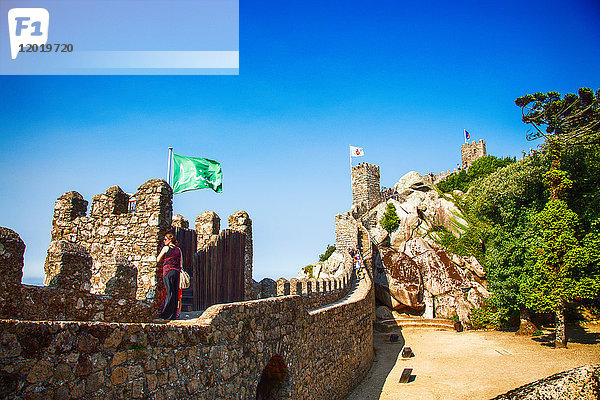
(67, 296)
(313, 340)
(472, 151)
(113, 232)
(230, 352)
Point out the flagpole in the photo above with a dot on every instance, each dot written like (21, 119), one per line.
(169, 166)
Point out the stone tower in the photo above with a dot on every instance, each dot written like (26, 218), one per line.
(471, 152)
(365, 186)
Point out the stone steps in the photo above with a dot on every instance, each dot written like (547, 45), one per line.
(414, 323)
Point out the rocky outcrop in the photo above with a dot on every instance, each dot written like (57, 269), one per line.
(331, 268)
(398, 282)
(582, 383)
(420, 210)
(413, 273)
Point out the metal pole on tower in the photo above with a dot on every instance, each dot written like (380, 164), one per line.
(169, 167)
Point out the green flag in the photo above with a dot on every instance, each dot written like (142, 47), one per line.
(191, 173)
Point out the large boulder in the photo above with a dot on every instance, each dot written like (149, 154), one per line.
(413, 181)
(333, 266)
(581, 383)
(398, 282)
(420, 209)
(440, 274)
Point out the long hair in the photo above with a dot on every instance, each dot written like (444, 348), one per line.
(172, 238)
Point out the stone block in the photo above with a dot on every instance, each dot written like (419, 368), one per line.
(283, 287)
(69, 206)
(68, 266)
(123, 283)
(268, 288)
(295, 286)
(11, 271)
(179, 221)
(208, 224)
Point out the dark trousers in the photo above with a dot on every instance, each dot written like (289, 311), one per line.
(171, 280)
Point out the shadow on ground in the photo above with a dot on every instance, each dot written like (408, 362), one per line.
(386, 354)
(575, 334)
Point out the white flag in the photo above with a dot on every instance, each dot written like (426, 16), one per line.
(356, 151)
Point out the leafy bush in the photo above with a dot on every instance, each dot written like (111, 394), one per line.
(390, 220)
(308, 270)
(328, 252)
(504, 196)
(480, 168)
(493, 314)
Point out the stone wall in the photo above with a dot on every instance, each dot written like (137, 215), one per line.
(472, 151)
(320, 354)
(111, 232)
(315, 292)
(240, 221)
(12, 249)
(346, 233)
(67, 296)
(313, 341)
(365, 185)
(435, 179)
(208, 226)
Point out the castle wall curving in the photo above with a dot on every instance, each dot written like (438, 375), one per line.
(325, 351)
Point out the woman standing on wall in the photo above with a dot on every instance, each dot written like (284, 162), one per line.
(172, 265)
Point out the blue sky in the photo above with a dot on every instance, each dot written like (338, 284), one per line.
(402, 80)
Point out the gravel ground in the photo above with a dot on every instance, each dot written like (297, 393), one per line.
(470, 365)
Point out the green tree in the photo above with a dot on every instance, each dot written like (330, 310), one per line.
(390, 220)
(560, 263)
(562, 269)
(569, 120)
(328, 252)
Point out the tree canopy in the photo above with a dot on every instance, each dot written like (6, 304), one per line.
(479, 169)
(534, 224)
(570, 119)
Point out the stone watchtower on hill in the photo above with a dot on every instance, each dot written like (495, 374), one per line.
(471, 152)
(365, 186)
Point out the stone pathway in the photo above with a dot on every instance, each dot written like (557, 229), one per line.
(358, 290)
(187, 318)
(474, 365)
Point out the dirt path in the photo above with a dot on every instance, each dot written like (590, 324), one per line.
(469, 365)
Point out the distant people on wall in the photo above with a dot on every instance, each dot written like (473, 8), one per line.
(172, 264)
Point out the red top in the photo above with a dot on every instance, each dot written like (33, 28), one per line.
(172, 260)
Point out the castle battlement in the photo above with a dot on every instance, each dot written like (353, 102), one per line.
(113, 231)
(224, 354)
(472, 151)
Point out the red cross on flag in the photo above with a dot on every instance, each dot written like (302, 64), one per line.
(356, 151)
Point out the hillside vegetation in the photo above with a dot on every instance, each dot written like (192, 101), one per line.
(535, 223)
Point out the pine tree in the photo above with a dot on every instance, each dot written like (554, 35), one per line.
(390, 220)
